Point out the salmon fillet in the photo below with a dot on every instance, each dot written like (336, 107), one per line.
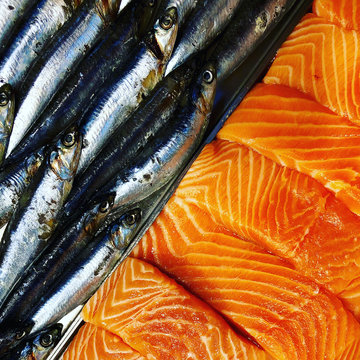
(282, 210)
(295, 131)
(161, 320)
(289, 315)
(345, 13)
(321, 59)
(94, 343)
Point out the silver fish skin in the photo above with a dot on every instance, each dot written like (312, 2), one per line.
(14, 180)
(250, 26)
(81, 88)
(59, 61)
(11, 13)
(37, 348)
(35, 218)
(46, 19)
(123, 96)
(207, 21)
(7, 109)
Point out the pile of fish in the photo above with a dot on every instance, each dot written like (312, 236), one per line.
(102, 105)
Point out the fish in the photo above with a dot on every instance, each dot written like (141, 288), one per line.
(249, 27)
(260, 294)
(288, 213)
(295, 131)
(42, 24)
(11, 14)
(35, 218)
(37, 348)
(59, 61)
(102, 63)
(155, 112)
(123, 95)
(7, 113)
(309, 62)
(15, 179)
(95, 343)
(341, 12)
(161, 320)
(213, 16)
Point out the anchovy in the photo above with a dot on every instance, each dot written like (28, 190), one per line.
(37, 348)
(46, 19)
(11, 14)
(14, 179)
(208, 20)
(59, 61)
(7, 108)
(134, 134)
(249, 27)
(120, 98)
(102, 63)
(36, 215)
(170, 152)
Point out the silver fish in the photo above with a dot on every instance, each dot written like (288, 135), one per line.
(46, 19)
(51, 70)
(124, 94)
(208, 20)
(7, 108)
(11, 13)
(35, 218)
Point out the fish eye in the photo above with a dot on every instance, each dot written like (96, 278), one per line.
(166, 22)
(208, 76)
(46, 340)
(151, 3)
(4, 99)
(69, 139)
(20, 334)
(104, 207)
(131, 219)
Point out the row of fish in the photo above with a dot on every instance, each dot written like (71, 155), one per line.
(102, 104)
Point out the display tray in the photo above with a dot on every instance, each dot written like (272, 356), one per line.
(229, 95)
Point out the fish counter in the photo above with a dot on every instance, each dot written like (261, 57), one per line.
(158, 159)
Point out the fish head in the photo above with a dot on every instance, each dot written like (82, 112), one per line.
(162, 40)
(7, 113)
(38, 347)
(64, 157)
(144, 12)
(97, 213)
(205, 89)
(12, 335)
(123, 230)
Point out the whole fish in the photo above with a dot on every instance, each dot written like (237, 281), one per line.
(250, 26)
(122, 96)
(11, 14)
(208, 20)
(78, 91)
(7, 108)
(37, 348)
(154, 113)
(169, 153)
(14, 179)
(59, 61)
(45, 20)
(36, 215)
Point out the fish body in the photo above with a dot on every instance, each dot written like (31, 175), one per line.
(102, 63)
(11, 14)
(46, 19)
(58, 62)
(211, 15)
(122, 96)
(249, 27)
(37, 348)
(35, 218)
(7, 108)
(154, 113)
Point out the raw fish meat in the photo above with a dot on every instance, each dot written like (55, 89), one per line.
(290, 128)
